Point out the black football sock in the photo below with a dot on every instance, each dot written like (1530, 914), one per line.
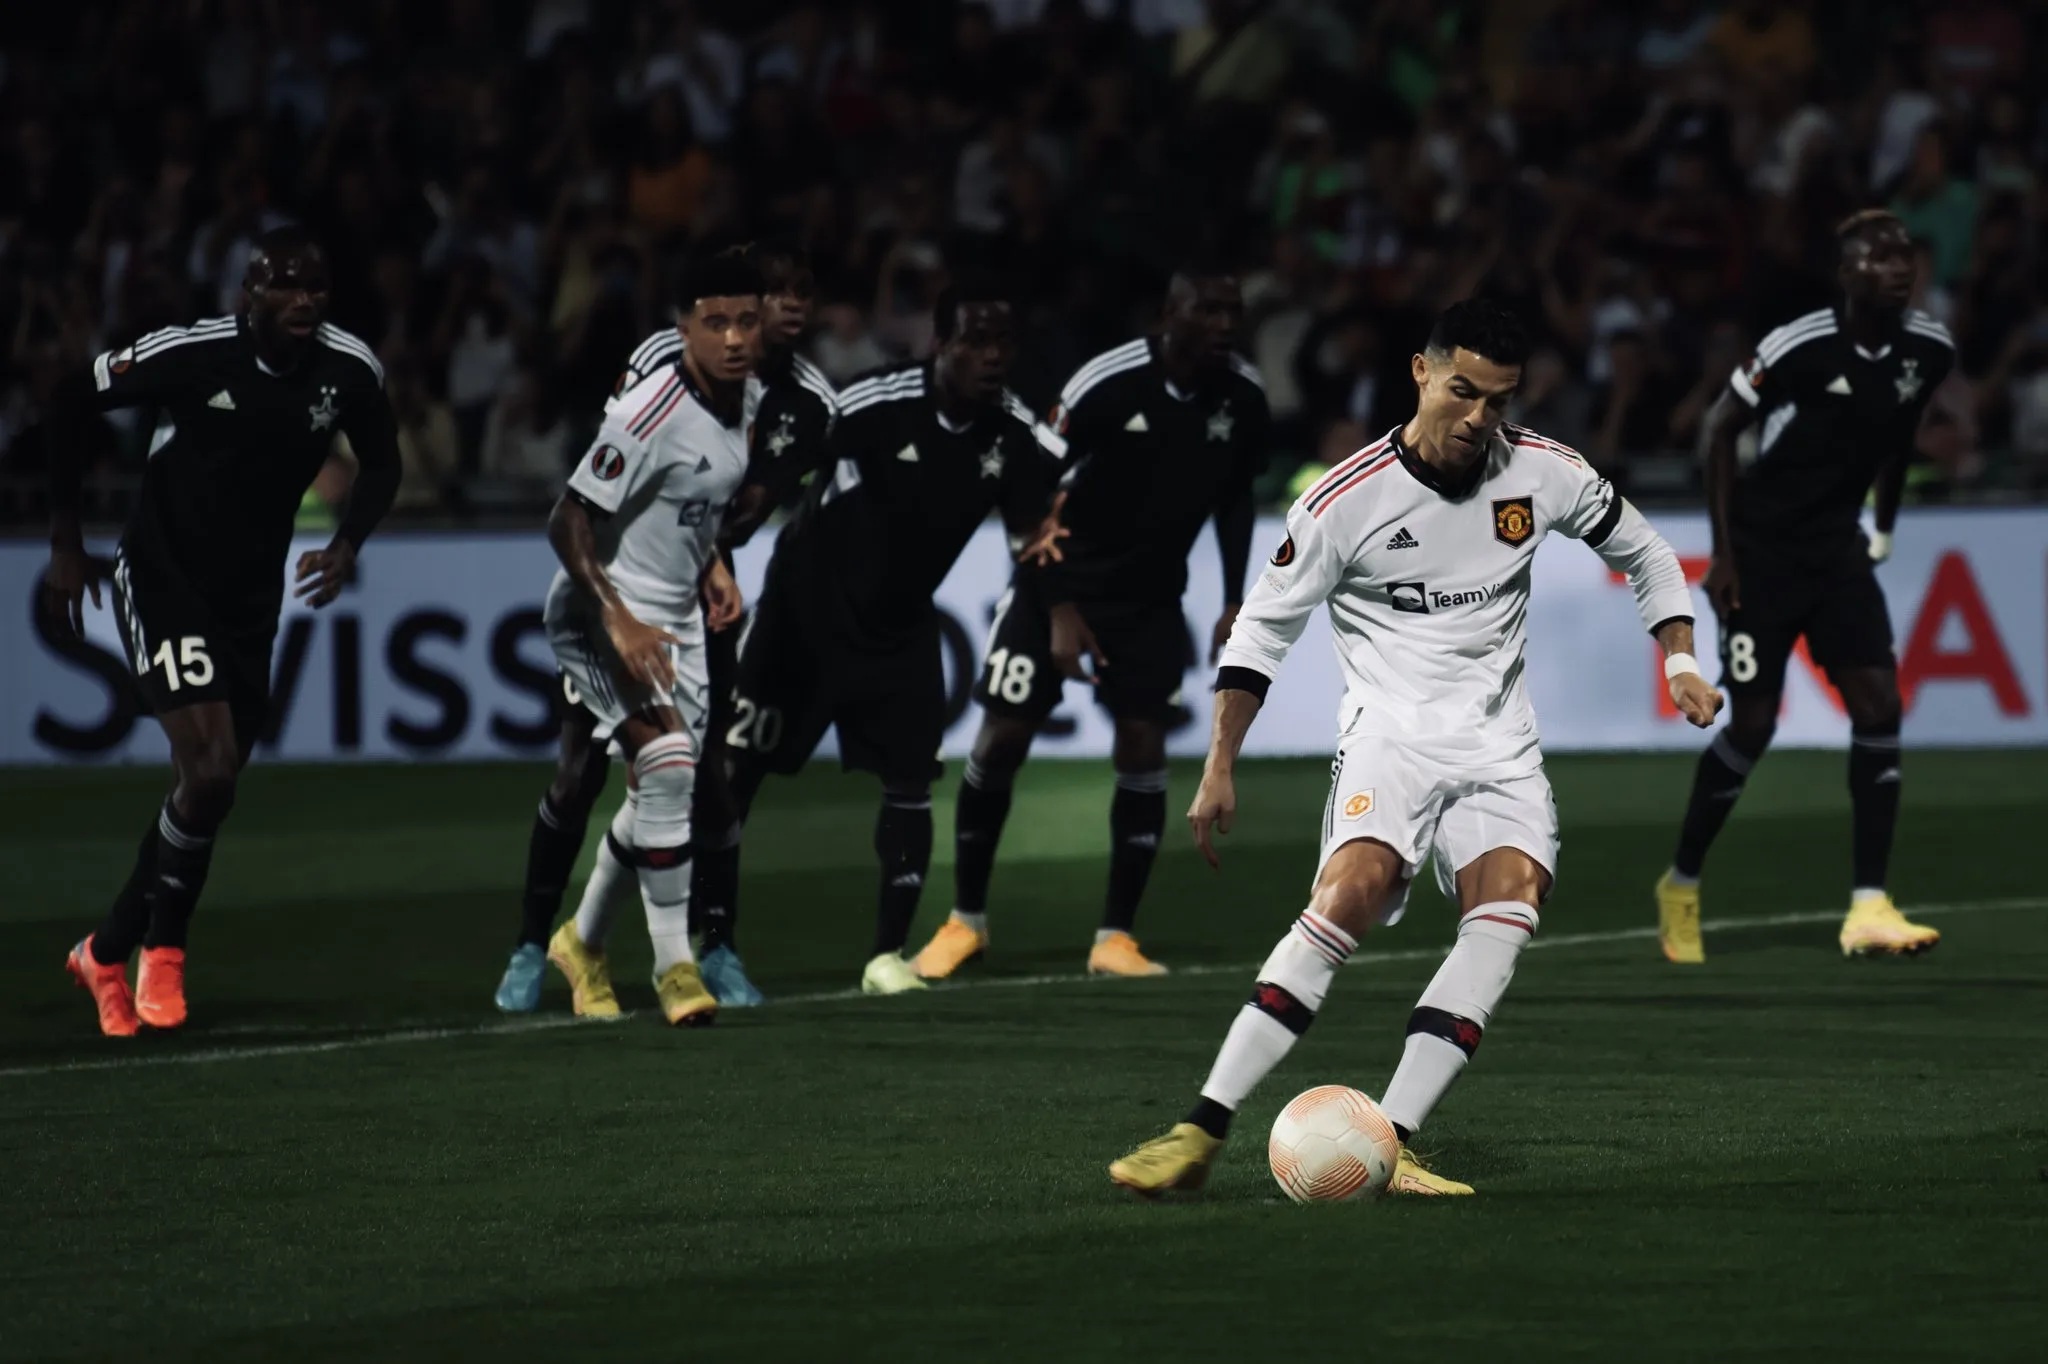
(715, 878)
(128, 917)
(182, 859)
(1137, 817)
(1716, 783)
(1873, 802)
(715, 888)
(550, 856)
(977, 828)
(1211, 1117)
(903, 842)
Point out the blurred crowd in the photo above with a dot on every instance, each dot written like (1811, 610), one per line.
(502, 184)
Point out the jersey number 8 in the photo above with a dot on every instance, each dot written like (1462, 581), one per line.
(191, 666)
(1010, 676)
(1741, 652)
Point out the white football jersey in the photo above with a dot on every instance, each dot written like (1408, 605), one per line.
(666, 469)
(1428, 589)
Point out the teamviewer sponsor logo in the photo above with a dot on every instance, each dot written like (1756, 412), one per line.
(1413, 597)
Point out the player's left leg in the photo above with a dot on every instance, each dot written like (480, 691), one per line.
(720, 814)
(664, 752)
(1501, 836)
(903, 847)
(982, 808)
(1874, 925)
(1137, 819)
(1851, 637)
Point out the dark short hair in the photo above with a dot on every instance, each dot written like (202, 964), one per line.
(725, 275)
(968, 286)
(1484, 326)
(1861, 221)
(779, 263)
(288, 240)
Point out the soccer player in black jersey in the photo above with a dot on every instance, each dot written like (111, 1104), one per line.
(790, 427)
(251, 406)
(845, 632)
(1836, 399)
(1154, 438)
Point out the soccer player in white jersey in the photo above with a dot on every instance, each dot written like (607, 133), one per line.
(635, 533)
(1421, 546)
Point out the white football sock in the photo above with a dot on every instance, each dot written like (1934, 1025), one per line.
(1290, 989)
(1453, 1012)
(666, 769)
(608, 879)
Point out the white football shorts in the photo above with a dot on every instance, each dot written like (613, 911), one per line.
(1386, 789)
(596, 679)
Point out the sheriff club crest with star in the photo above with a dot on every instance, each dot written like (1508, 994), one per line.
(324, 412)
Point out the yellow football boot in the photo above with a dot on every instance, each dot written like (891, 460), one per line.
(1678, 922)
(889, 974)
(1179, 1160)
(1875, 928)
(684, 1000)
(590, 979)
(952, 947)
(1118, 955)
(1410, 1177)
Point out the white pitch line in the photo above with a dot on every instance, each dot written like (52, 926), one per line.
(553, 1022)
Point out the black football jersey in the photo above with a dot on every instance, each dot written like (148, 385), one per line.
(907, 490)
(1143, 465)
(237, 445)
(1829, 416)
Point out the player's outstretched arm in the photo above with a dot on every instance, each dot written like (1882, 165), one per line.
(1215, 804)
(1628, 543)
(641, 647)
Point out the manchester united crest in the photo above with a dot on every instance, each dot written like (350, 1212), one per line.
(1514, 520)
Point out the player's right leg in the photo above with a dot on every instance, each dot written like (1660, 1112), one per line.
(1017, 688)
(1374, 839)
(664, 748)
(189, 672)
(1000, 748)
(1356, 888)
(1756, 645)
(552, 848)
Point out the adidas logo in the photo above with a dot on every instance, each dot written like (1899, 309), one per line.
(1840, 386)
(1889, 775)
(909, 878)
(1403, 540)
(222, 400)
(1143, 841)
(1137, 423)
(703, 464)
(908, 454)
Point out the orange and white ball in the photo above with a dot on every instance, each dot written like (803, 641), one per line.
(1332, 1143)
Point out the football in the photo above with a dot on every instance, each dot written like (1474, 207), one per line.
(1331, 1143)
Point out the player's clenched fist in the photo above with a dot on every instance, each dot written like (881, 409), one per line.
(1215, 805)
(1697, 699)
(642, 648)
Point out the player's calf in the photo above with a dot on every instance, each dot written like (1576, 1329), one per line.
(1451, 1017)
(664, 773)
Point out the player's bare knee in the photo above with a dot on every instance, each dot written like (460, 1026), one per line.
(206, 783)
(1751, 726)
(1140, 747)
(1356, 885)
(1000, 747)
(1501, 876)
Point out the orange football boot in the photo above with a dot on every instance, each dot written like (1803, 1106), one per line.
(109, 988)
(160, 987)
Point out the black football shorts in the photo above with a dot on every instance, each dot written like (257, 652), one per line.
(1839, 609)
(1146, 654)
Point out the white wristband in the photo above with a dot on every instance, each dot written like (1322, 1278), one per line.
(1880, 546)
(1679, 664)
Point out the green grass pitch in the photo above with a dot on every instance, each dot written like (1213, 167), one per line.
(348, 1156)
